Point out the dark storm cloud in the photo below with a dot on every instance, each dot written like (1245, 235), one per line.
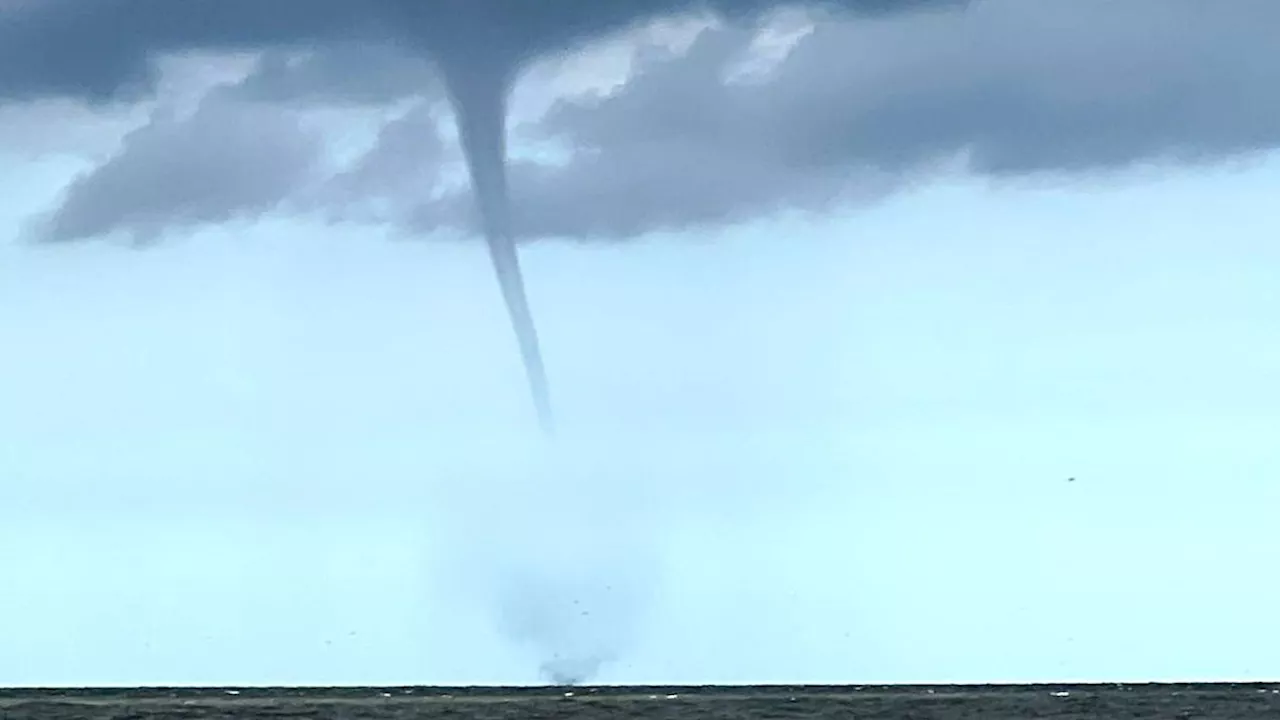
(340, 73)
(330, 51)
(102, 50)
(105, 47)
(678, 146)
(858, 109)
(388, 183)
(230, 159)
(244, 152)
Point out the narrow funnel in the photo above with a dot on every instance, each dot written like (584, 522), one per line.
(479, 97)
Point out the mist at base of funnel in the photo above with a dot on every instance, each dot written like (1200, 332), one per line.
(560, 549)
(560, 552)
(569, 671)
(573, 614)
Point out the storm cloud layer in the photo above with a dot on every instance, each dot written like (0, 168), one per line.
(105, 48)
(856, 109)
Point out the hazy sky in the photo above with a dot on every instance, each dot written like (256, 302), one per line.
(831, 316)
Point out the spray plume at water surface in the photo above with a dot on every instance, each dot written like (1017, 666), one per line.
(570, 578)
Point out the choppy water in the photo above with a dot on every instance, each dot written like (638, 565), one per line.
(995, 702)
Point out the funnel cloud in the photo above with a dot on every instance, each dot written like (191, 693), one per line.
(479, 47)
(876, 95)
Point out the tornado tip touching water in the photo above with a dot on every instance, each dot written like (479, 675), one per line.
(479, 96)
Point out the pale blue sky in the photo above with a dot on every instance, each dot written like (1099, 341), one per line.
(254, 456)
(290, 444)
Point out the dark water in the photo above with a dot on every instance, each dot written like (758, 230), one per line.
(867, 702)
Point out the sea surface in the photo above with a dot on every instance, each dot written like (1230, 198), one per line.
(864, 702)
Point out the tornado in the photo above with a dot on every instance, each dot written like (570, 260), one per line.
(478, 92)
